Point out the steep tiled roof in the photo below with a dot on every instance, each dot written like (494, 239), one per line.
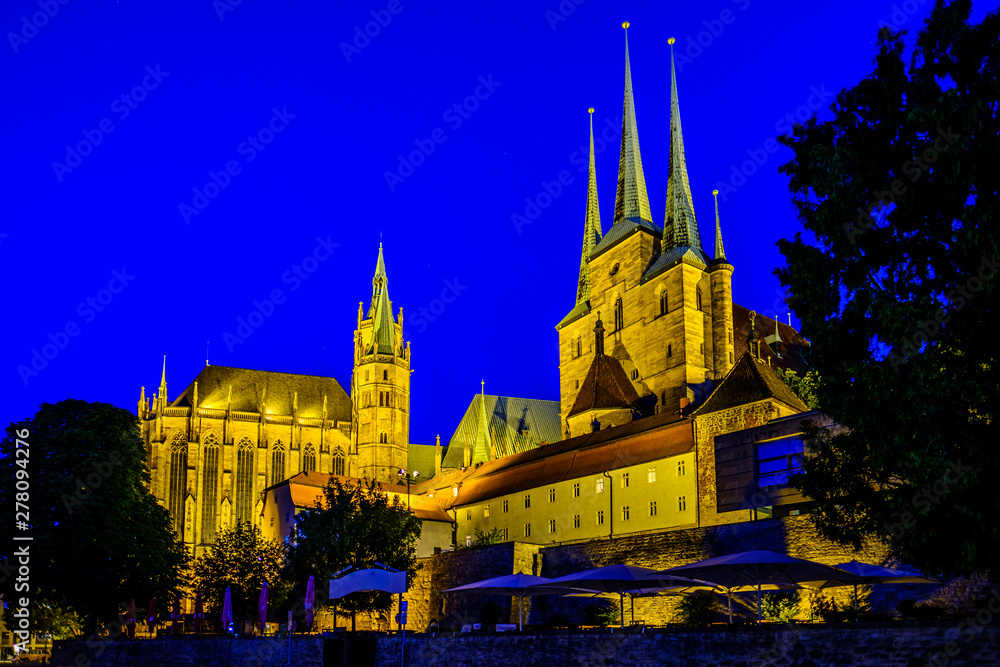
(688, 254)
(579, 310)
(606, 386)
(630, 444)
(791, 347)
(306, 489)
(747, 382)
(622, 230)
(515, 425)
(249, 387)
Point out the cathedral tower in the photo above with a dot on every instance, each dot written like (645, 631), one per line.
(667, 306)
(380, 386)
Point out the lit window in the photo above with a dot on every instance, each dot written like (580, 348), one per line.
(486, 511)
(454, 492)
(600, 517)
(576, 490)
(681, 471)
(552, 495)
(211, 489)
(625, 513)
(652, 508)
(619, 315)
(663, 302)
(468, 540)
(651, 475)
(624, 480)
(552, 526)
(527, 530)
(682, 503)
(600, 485)
(527, 500)
(505, 506)
(576, 520)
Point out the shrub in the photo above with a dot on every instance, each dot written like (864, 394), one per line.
(779, 607)
(697, 609)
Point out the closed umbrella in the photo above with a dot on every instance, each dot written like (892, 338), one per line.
(227, 611)
(262, 607)
(620, 579)
(199, 613)
(151, 614)
(130, 622)
(175, 615)
(310, 602)
(757, 569)
(521, 585)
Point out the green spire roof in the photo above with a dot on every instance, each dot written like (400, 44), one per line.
(383, 338)
(481, 446)
(591, 224)
(679, 225)
(631, 200)
(720, 251)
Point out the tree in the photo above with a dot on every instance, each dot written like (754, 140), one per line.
(241, 559)
(895, 289)
(355, 524)
(804, 386)
(99, 538)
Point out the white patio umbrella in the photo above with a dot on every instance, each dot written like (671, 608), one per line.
(621, 579)
(754, 570)
(521, 585)
(875, 574)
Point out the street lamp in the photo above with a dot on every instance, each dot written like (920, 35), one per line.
(408, 476)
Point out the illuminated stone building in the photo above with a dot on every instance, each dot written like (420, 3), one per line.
(234, 432)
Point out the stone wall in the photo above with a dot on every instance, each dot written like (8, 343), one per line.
(192, 651)
(891, 644)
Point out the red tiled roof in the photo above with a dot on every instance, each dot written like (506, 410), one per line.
(749, 381)
(606, 386)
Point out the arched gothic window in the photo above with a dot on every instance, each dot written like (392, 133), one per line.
(381, 398)
(309, 458)
(663, 302)
(178, 480)
(244, 480)
(579, 346)
(210, 490)
(277, 462)
(699, 299)
(619, 315)
(339, 461)
(383, 439)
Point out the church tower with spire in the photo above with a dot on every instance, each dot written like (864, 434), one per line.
(380, 386)
(667, 306)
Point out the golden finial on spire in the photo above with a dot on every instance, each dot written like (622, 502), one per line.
(671, 41)
(715, 193)
(590, 110)
(625, 25)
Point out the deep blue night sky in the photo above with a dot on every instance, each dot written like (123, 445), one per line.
(210, 76)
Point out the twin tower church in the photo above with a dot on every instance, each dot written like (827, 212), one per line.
(653, 331)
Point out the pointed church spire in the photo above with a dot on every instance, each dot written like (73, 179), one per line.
(481, 448)
(383, 335)
(720, 250)
(163, 381)
(679, 225)
(591, 223)
(631, 200)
